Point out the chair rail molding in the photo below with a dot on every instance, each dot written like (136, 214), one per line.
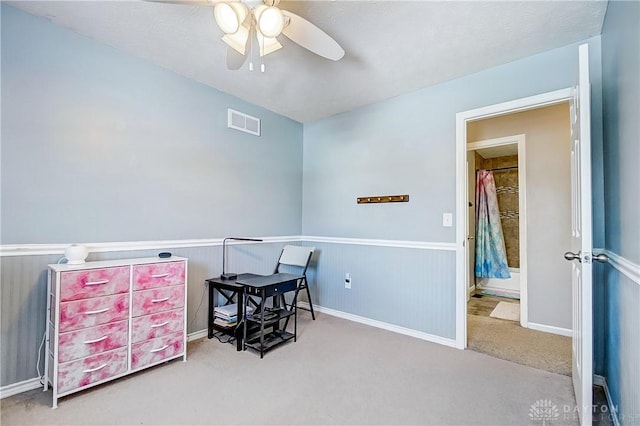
(624, 266)
(46, 249)
(427, 245)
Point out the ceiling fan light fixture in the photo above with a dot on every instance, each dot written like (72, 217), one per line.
(230, 16)
(268, 45)
(238, 40)
(270, 21)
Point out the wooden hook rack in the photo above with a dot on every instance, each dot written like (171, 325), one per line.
(384, 199)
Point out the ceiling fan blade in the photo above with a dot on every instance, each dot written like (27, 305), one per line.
(235, 60)
(311, 37)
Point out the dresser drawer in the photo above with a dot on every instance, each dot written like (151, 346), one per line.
(91, 312)
(75, 285)
(157, 300)
(156, 350)
(158, 275)
(90, 341)
(156, 325)
(95, 368)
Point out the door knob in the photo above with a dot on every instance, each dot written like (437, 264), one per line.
(602, 258)
(573, 256)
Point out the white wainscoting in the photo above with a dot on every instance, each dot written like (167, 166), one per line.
(384, 268)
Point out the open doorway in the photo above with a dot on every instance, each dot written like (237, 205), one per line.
(527, 155)
(504, 161)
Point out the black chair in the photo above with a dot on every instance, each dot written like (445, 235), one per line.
(299, 257)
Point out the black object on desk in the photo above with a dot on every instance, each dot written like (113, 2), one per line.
(270, 286)
(231, 275)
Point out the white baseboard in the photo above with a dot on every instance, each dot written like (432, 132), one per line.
(383, 325)
(197, 335)
(551, 329)
(602, 382)
(16, 388)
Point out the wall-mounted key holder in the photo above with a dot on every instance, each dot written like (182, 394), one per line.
(384, 199)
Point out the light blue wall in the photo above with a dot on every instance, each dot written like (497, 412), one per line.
(622, 345)
(621, 68)
(621, 91)
(100, 146)
(407, 287)
(406, 145)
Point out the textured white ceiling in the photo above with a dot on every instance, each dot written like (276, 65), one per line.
(392, 47)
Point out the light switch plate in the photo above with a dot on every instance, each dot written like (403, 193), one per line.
(447, 220)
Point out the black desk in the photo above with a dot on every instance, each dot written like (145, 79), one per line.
(232, 293)
(273, 286)
(250, 332)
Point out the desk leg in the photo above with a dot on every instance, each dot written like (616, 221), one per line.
(239, 332)
(210, 310)
(244, 321)
(262, 326)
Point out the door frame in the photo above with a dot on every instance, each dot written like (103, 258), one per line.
(520, 141)
(517, 105)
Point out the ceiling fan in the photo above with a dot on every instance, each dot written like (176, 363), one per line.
(262, 21)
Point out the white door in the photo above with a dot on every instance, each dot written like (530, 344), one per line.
(581, 247)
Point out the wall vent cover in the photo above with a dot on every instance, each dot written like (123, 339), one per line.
(243, 122)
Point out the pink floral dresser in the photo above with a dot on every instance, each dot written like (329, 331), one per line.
(110, 318)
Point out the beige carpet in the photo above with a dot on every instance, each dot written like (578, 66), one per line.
(507, 340)
(338, 372)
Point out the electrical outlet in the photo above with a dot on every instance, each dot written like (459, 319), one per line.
(347, 280)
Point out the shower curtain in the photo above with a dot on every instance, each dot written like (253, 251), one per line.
(491, 255)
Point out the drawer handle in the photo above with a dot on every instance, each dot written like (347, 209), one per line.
(159, 349)
(96, 282)
(99, 311)
(86, 342)
(164, 299)
(91, 370)
(159, 325)
(160, 275)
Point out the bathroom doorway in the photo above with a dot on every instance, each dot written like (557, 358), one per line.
(525, 318)
(505, 160)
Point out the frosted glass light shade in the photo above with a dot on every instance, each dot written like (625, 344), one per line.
(230, 16)
(270, 20)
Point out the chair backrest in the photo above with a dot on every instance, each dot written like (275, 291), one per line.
(295, 256)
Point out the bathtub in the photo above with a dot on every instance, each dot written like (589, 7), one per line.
(509, 287)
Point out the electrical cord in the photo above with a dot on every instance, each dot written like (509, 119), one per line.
(219, 335)
(41, 376)
(198, 308)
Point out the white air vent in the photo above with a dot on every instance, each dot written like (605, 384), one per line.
(243, 122)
